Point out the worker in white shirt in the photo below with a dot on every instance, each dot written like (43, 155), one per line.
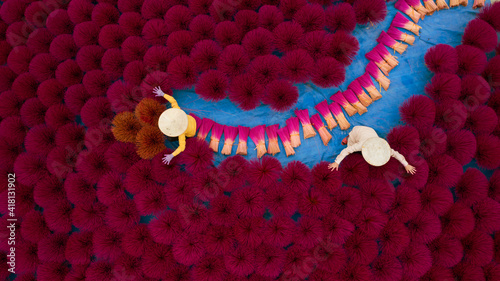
(375, 150)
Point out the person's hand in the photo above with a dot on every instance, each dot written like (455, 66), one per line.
(158, 92)
(410, 169)
(333, 166)
(167, 158)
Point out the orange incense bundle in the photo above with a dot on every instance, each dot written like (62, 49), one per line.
(379, 61)
(320, 127)
(258, 136)
(356, 88)
(285, 139)
(454, 3)
(442, 4)
(293, 128)
(387, 40)
(217, 130)
(400, 35)
(339, 98)
(307, 127)
(373, 70)
(243, 138)
(409, 11)
(430, 6)
(365, 81)
(386, 55)
(402, 22)
(337, 112)
(205, 127)
(323, 109)
(417, 6)
(464, 3)
(230, 134)
(478, 4)
(273, 147)
(351, 98)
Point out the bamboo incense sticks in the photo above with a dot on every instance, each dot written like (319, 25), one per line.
(442, 4)
(356, 88)
(323, 109)
(307, 128)
(478, 4)
(320, 127)
(217, 130)
(243, 138)
(258, 136)
(339, 115)
(230, 134)
(373, 70)
(386, 55)
(417, 6)
(454, 3)
(402, 22)
(293, 128)
(409, 11)
(205, 127)
(379, 61)
(339, 98)
(430, 6)
(351, 98)
(400, 35)
(272, 135)
(387, 40)
(365, 81)
(285, 139)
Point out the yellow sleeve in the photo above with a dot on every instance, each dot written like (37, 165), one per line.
(172, 101)
(182, 145)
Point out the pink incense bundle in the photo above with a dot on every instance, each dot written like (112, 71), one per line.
(400, 35)
(293, 127)
(217, 130)
(272, 135)
(356, 88)
(402, 22)
(373, 70)
(351, 98)
(430, 6)
(337, 112)
(242, 144)
(417, 6)
(258, 136)
(205, 127)
(285, 139)
(323, 109)
(307, 127)
(387, 40)
(320, 127)
(386, 55)
(365, 81)
(442, 4)
(409, 11)
(230, 133)
(374, 56)
(478, 4)
(339, 98)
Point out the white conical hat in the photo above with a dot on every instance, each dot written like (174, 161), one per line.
(376, 151)
(173, 122)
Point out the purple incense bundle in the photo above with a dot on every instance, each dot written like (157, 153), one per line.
(230, 133)
(409, 11)
(374, 56)
(386, 55)
(243, 138)
(272, 135)
(337, 112)
(285, 139)
(400, 35)
(442, 4)
(417, 6)
(320, 127)
(339, 98)
(258, 136)
(307, 127)
(373, 70)
(323, 109)
(351, 98)
(293, 127)
(478, 4)
(205, 127)
(217, 130)
(365, 81)
(197, 119)
(356, 88)
(402, 22)
(430, 6)
(387, 40)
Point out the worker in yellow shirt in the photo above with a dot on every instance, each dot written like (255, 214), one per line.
(174, 122)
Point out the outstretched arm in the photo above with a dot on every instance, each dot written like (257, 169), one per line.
(409, 168)
(159, 93)
(343, 154)
(182, 145)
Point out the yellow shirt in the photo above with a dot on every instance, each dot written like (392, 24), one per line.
(190, 131)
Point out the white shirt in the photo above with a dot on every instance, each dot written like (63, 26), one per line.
(357, 137)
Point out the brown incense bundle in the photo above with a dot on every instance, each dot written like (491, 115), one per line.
(454, 3)
(351, 98)
(356, 88)
(307, 127)
(430, 6)
(373, 70)
(320, 127)
(230, 134)
(217, 130)
(293, 127)
(337, 112)
(323, 109)
(365, 81)
(243, 138)
(272, 135)
(478, 4)
(442, 4)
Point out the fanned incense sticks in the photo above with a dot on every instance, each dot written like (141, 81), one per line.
(417, 6)
(373, 70)
(285, 139)
(351, 98)
(409, 11)
(365, 81)
(402, 22)
(293, 128)
(307, 127)
(387, 40)
(339, 98)
(205, 127)
(430, 6)
(400, 35)
(320, 127)
(442, 4)
(323, 109)
(337, 112)
(386, 55)
(379, 61)
(243, 138)
(258, 136)
(230, 134)
(272, 135)
(217, 130)
(356, 88)
(478, 4)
